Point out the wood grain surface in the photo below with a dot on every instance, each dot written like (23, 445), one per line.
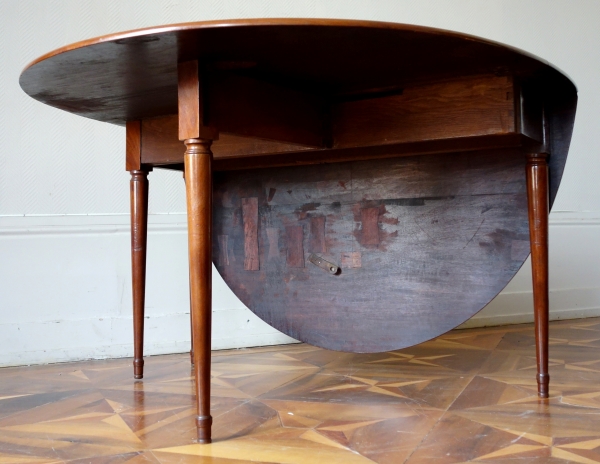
(463, 107)
(423, 244)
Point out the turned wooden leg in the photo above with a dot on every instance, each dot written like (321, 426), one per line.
(537, 193)
(198, 171)
(139, 234)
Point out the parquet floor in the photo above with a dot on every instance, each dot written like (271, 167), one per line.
(468, 396)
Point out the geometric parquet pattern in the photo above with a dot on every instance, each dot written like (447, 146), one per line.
(467, 396)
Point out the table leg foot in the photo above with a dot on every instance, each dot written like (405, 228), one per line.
(138, 368)
(204, 424)
(543, 381)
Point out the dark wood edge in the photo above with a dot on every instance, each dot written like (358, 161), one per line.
(190, 26)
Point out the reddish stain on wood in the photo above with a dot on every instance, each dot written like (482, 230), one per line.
(316, 242)
(223, 252)
(250, 219)
(351, 260)
(295, 247)
(273, 238)
(369, 218)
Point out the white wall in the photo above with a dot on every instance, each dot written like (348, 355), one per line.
(64, 236)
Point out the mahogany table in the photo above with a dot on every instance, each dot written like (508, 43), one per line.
(362, 186)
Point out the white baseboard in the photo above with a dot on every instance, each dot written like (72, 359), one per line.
(36, 343)
(517, 308)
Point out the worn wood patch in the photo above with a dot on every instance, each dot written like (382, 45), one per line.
(223, 252)
(295, 247)
(351, 260)
(369, 233)
(273, 239)
(250, 215)
(423, 243)
(317, 235)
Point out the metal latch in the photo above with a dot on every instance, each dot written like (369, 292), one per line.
(325, 265)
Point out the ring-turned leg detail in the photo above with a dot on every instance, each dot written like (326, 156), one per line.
(139, 235)
(537, 193)
(198, 176)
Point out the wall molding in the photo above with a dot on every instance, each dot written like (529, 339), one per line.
(68, 224)
(169, 222)
(574, 218)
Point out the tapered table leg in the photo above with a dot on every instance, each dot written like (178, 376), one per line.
(537, 193)
(198, 173)
(139, 234)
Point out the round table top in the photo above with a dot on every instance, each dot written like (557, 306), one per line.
(133, 75)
